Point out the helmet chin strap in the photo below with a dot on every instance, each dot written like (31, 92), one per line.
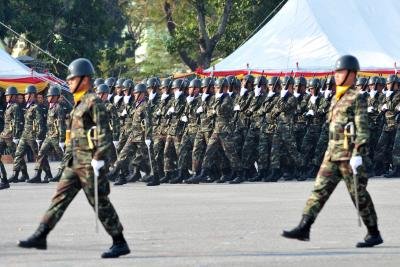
(345, 79)
(79, 83)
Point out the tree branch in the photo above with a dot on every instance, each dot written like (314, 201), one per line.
(222, 23)
(204, 40)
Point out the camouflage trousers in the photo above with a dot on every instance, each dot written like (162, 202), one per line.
(383, 152)
(309, 144)
(185, 155)
(123, 137)
(239, 138)
(49, 143)
(171, 152)
(132, 150)
(374, 134)
(222, 142)
(199, 149)
(72, 181)
(322, 145)
(284, 147)
(396, 148)
(65, 159)
(24, 143)
(329, 175)
(250, 148)
(158, 148)
(6, 146)
(264, 150)
(299, 131)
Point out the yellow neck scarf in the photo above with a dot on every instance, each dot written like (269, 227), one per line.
(78, 95)
(340, 90)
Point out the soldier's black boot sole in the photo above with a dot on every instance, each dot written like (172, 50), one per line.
(4, 185)
(370, 241)
(38, 243)
(116, 251)
(299, 234)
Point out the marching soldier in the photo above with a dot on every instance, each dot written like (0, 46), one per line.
(125, 111)
(175, 124)
(300, 127)
(267, 129)
(343, 158)
(190, 118)
(283, 140)
(32, 136)
(55, 136)
(89, 138)
(160, 131)
(137, 135)
(13, 127)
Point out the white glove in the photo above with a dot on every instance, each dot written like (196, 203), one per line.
(158, 113)
(148, 142)
(388, 93)
(313, 99)
(384, 107)
(370, 109)
(97, 165)
(38, 142)
(61, 145)
(170, 110)
(115, 143)
(236, 107)
(355, 162)
(124, 112)
(310, 112)
(16, 141)
(184, 118)
(199, 109)
(398, 108)
(218, 95)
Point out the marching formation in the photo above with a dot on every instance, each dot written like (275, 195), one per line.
(203, 131)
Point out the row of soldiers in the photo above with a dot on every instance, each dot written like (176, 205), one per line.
(209, 130)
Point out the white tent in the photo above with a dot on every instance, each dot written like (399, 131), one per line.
(309, 35)
(12, 68)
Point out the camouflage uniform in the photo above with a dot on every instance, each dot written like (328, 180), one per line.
(87, 113)
(383, 154)
(300, 127)
(175, 126)
(375, 121)
(125, 112)
(284, 144)
(56, 127)
(34, 129)
(221, 138)
(13, 128)
(351, 107)
(115, 128)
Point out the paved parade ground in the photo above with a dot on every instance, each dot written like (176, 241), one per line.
(203, 225)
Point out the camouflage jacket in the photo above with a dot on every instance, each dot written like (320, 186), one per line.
(302, 101)
(13, 121)
(192, 125)
(284, 109)
(125, 116)
(175, 125)
(152, 106)
(56, 124)
(241, 119)
(319, 116)
(2, 110)
(351, 107)
(139, 121)
(206, 117)
(35, 123)
(374, 114)
(256, 119)
(266, 111)
(160, 118)
(90, 133)
(114, 120)
(222, 110)
(391, 103)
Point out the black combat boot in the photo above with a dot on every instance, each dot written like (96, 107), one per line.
(14, 177)
(113, 174)
(183, 174)
(57, 177)
(154, 180)
(395, 172)
(135, 176)
(274, 176)
(38, 239)
(239, 177)
(302, 231)
(4, 183)
(24, 175)
(168, 176)
(47, 177)
(196, 179)
(227, 175)
(121, 179)
(373, 238)
(262, 173)
(37, 178)
(118, 248)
